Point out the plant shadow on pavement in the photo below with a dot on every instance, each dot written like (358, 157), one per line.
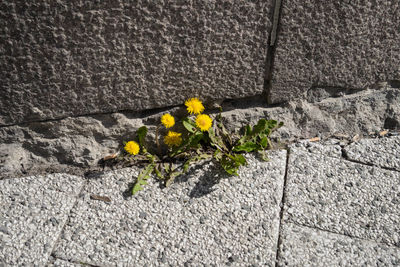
(203, 186)
(205, 181)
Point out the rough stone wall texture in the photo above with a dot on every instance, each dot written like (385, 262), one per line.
(61, 58)
(331, 43)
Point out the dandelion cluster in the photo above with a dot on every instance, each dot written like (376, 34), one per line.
(202, 122)
(199, 140)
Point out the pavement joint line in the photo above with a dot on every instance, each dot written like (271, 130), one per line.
(85, 183)
(72, 261)
(341, 234)
(282, 205)
(346, 158)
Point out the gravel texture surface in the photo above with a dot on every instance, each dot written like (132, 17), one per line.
(33, 212)
(329, 148)
(303, 246)
(205, 219)
(343, 197)
(384, 152)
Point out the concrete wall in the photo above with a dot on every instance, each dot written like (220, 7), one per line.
(63, 58)
(339, 44)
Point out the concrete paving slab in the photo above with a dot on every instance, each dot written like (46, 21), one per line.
(196, 221)
(343, 197)
(383, 152)
(329, 147)
(303, 246)
(33, 212)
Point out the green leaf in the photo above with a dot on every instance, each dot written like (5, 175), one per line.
(216, 140)
(231, 163)
(195, 139)
(218, 155)
(246, 147)
(260, 127)
(264, 142)
(158, 172)
(189, 124)
(248, 130)
(142, 179)
(167, 167)
(141, 134)
(240, 159)
(246, 136)
(271, 123)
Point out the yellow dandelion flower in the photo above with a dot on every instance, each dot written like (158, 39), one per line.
(204, 122)
(194, 106)
(173, 139)
(167, 120)
(132, 147)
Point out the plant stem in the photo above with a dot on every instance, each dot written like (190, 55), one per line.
(157, 141)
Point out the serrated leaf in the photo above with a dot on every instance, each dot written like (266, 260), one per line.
(218, 155)
(271, 123)
(229, 165)
(259, 127)
(141, 135)
(142, 179)
(189, 125)
(240, 159)
(246, 136)
(216, 140)
(246, 147)
(264, 142)
(195, 139)
(195, 159)
(172, 177)
(264, 156)
(248, 130)
(158, 172)
(166, 167)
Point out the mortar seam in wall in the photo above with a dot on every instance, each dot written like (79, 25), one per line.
(269, 61)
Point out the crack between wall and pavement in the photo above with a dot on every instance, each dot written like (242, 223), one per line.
(136, 113)
(282, 206)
